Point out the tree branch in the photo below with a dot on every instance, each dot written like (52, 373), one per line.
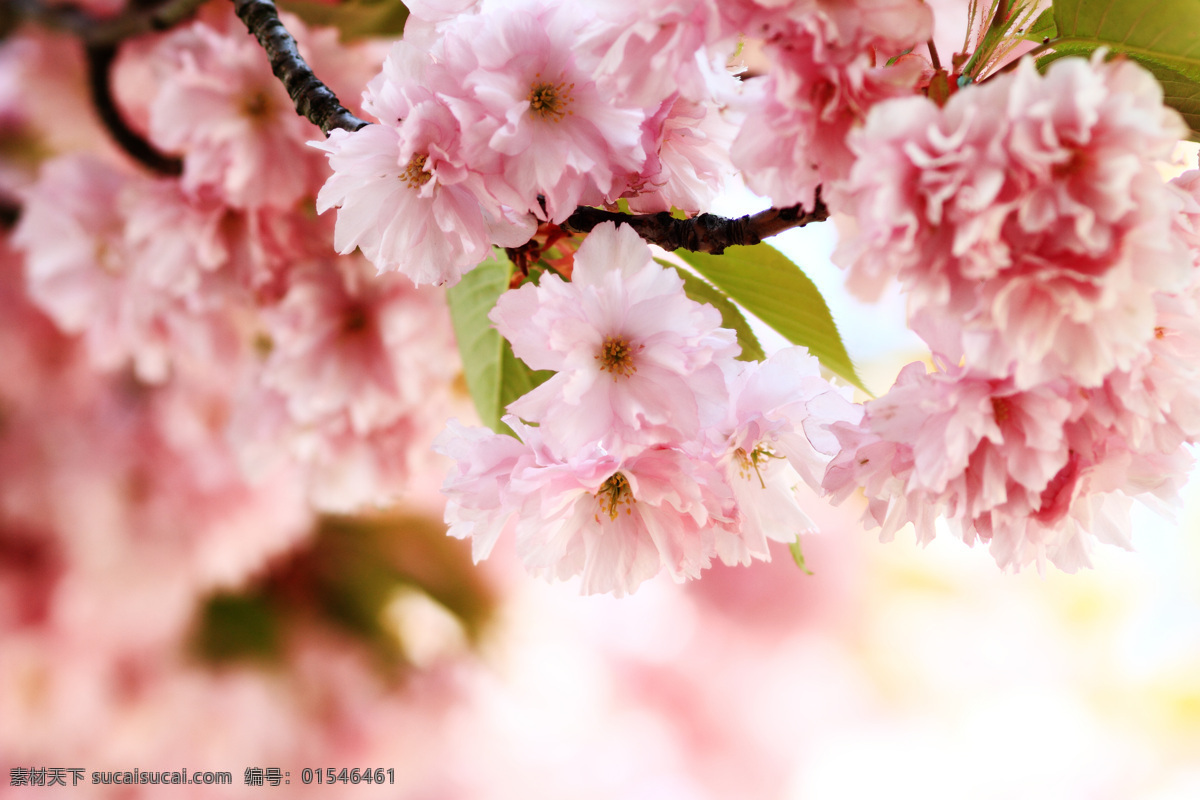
(313, 99)
(135, 21)
(706, 233)
(100, 59)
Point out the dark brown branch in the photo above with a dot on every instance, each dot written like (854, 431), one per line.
(313, 99)
(706, 233)
(100, 59)
(135, 21)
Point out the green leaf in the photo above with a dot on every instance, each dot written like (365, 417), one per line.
(1161, 35)
(731, 316)
(1043, 27)
(494, 376)
(355, 19)
(798, 555)
(237, 626)
(764, 282)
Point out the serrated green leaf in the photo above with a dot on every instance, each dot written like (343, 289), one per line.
(766, 283)
(494, 376)
(798, 556)
(354, 19)
(1043, 27)
(731, 316)
(1161, 35)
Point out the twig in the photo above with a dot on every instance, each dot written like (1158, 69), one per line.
(100, 59)
(706, 233)
(313, 99)
(109, 31)
(933, 54)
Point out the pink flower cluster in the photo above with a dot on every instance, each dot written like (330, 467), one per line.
(325, 367)
(1051, 270)
(651, 447)
(494, 117)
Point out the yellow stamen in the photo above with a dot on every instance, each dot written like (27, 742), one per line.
(614, 493)
(753, 460)
(550, 101)
(414, 174)
(616, 356)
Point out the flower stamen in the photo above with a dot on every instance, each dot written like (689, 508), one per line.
(550, 101)
(753, 460)
(414, 174)
(614, 493)
(1001, 409)
(616, 356)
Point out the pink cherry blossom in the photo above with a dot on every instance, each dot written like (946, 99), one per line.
(957, 444)
(79, 265)
(477, 487)
(776, 436)
(618, 522)
(231, 119)
(353, 366)
(345, 340)
(404, 193)
(824, 79)
(649, 51)
(1040, 474)
(1031, 234)
(395, 203)
(687, 164)
(614, 521)
(532, 116)
(638, 362)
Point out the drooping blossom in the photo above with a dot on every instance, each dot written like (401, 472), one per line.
(393, 204)
(230, 119)
(79, 264)
(614, 521)
(775, 437)
(352, 369)
(403, 191)
(687, 158)
(689, 454)
(825, 77)
(1026, 219)
(1037, 473)
(345, 340)
(637, 361)
(534, 120)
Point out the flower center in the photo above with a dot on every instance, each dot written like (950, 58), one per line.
(753, 460)
(614, 493)
(550, 101)
(109, 258)
(414, 174)
(257, 106)
(355, 319)
(1001, 408)
(616, 356)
